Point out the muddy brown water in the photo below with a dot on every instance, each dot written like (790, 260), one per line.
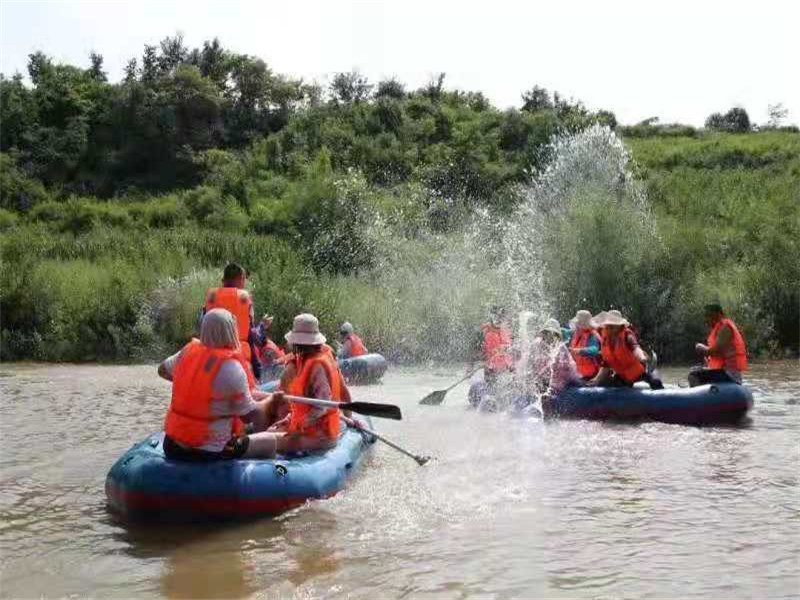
(510, 509)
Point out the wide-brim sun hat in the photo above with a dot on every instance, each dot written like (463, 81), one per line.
(552, 326)
(612, 317)
(583, 320)
(305, 331)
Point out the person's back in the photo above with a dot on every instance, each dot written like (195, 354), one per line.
(235, 299)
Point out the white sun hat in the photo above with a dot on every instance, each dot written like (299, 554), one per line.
(612, 317)
(305, 331)
(552, 326)
(583, 320)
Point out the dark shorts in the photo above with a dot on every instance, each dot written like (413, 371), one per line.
(235, 448)
(701, 375)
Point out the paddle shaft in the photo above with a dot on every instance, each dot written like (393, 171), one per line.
(421, 460)
(385, 411)
(467, 376)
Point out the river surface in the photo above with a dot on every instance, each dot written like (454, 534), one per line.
(509, 509)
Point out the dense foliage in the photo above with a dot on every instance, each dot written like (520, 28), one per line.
(120, 202)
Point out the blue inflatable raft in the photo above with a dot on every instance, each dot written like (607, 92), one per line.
(367, 368)
(144, 484)
(708, 404)
(363, 369)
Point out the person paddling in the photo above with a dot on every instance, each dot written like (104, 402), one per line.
(496, 346)
(314, 373)
(235, 299)
(213, 391)
(585, 345)
(623, 360)
(724, 351)
(352, 345)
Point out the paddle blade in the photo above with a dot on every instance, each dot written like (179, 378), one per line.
(434, 398)
(373, 409)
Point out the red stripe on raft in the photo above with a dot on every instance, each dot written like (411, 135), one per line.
(140, 502)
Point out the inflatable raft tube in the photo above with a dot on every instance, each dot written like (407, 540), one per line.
(144, 484)
(363, 369)
(709, 404)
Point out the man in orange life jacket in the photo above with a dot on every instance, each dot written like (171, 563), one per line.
(352, 345)
(623, 360)
(724, 351)
(585, 345)
(235, 299)
(496, 339)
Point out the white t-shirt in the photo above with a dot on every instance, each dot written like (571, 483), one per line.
(230, 397)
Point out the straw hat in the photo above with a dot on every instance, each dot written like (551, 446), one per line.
(582, 320)
(612, 317)
(552, 326)
(305, 331)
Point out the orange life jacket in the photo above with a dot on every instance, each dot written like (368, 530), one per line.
(734, 357)
(497, 347)
(238, 303)
(272, 349)
(189, 418)
(328, 424)
(620, 358)
(357, 347)
(588, 366)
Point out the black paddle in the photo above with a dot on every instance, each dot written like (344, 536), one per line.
(371, 409)
(437, 397)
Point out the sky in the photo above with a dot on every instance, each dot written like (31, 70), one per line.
(679, 60)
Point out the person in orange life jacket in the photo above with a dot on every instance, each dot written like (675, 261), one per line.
(623, 360)
(213, 392)
(724, 351)
(271, 356)
(314, 373)
(495, 346)
(233, 297)
(352, 345)
(585, 345)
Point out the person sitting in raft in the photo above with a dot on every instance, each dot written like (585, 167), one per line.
(213, 391)
(496, 346)
(724, 351)
(314, 373)
(585, 345)
(553, 368)
(235, 299)
(623, 360)
(270, 354)
(351, 344)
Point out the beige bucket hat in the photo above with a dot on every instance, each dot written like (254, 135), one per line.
(305, 331)
(612, 317)
(583, 320)
(552, 326)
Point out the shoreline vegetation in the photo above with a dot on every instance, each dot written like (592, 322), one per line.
(121, 202)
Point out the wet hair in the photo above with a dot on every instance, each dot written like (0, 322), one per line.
(233, 271)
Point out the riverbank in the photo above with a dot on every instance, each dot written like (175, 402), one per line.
(725, 208)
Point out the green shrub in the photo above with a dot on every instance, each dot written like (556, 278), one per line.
(8, 219)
